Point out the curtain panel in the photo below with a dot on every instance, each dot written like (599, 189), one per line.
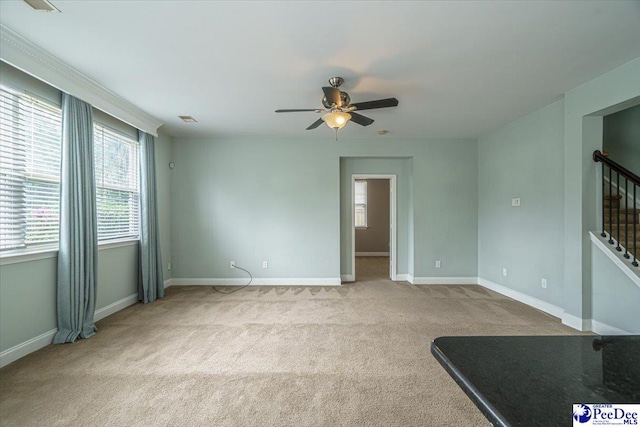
(78, 252)
(151, 283)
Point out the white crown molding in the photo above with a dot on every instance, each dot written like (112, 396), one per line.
(257, 281)
(33, 60)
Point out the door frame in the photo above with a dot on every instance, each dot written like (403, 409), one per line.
(392, 220)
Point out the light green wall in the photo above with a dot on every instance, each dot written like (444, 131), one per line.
(583, 135)
(545, 159)
(163, 189)
(523, 160)
(621, 137)
(117, 274)
(28, 292)
(27, 301)
(445, 208)
(28, 289)
(615, 297)
(251, 200)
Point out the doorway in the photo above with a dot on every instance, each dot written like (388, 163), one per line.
(375, 228)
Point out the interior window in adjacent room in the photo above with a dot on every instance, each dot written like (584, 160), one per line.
(361, 203)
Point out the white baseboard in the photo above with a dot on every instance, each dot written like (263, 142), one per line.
(567, 319)
(372, 253)
(547, 307)
(347, 278)
(575, 322)
(443, 280)
(257, 281)
(168, 283)
(604, 329)
(115, 307)
(16, 352)
(403, 277)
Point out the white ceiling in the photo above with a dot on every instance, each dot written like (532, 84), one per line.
(460, 69)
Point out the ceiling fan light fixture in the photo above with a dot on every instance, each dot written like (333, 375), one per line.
(337, 119)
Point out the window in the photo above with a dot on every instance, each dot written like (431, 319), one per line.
(30, 146)
(117, 184)
(361, 203)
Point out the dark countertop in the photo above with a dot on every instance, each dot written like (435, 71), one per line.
(535, 380)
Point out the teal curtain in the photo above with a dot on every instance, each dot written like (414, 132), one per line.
(151, 283)
(78, 253)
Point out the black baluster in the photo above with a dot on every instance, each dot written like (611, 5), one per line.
(610, 208)
(626, 219)
(603, 234)
(618, 248)
(635, 233)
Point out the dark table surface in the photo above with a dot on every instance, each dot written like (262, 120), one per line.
(535, 380)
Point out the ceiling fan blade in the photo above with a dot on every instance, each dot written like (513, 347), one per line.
(315, 124)
(360, 119)
(333, 95)
(317, 110)
(378, 103)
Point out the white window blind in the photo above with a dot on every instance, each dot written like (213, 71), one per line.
(361, 203)
(30, 144)
(117, 184)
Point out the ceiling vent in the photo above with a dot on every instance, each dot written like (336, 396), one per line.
(42, 5)
(188, 119)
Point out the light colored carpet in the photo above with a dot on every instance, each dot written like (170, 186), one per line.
(268, 356)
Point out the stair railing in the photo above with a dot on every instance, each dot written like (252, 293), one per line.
(626, 233)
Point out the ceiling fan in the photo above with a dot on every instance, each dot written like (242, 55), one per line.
(339, 109)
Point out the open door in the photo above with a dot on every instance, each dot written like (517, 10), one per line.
(357, 216)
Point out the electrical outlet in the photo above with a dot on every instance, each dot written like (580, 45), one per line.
(515, 202)
(544, 283)
(232, 264)
(265, 264)
(438, 264)
(168, 266)
(504, 272)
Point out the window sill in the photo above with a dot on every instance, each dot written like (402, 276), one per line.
(19, 256)
(116, 244)
(362, 228)
(26, 255)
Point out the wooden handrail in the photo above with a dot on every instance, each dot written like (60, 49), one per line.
(599, 157)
